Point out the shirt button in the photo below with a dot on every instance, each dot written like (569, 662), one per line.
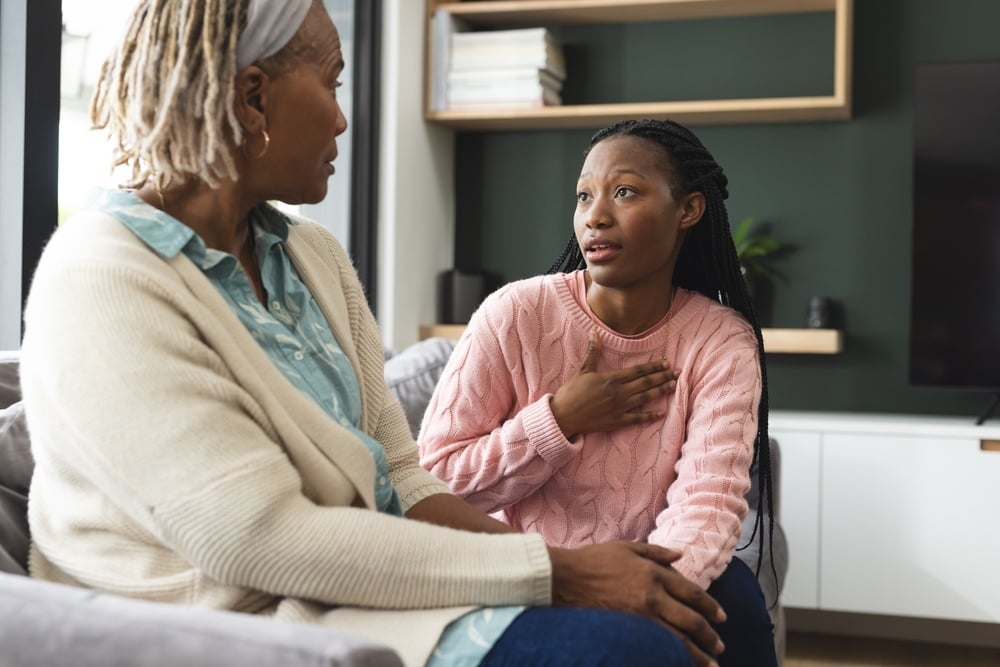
(298, 356)
(275, 305)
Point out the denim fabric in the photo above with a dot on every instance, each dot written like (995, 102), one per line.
(747, 633)
(573, 637)
(549, 637)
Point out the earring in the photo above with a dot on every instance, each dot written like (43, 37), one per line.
(263, 152)
(267, 142)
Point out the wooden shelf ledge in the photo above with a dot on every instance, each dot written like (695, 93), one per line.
(510, 13)
(692, 112)
(776, 341)
(803, 341)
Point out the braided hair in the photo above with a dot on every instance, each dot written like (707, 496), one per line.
(165, 95)
(707, 262)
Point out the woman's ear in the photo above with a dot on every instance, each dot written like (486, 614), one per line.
(692, 208)
(250, 99)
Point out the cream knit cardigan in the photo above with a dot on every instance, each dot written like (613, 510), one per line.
(174, 461)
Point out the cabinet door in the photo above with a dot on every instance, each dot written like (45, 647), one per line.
(798, 513)
(909, 527)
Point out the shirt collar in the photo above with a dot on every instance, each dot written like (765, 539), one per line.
(270, 225)
(168, 236)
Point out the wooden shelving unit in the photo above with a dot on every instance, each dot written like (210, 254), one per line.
(776, 341)
(449, 331)
(512, 13)
(803, 341)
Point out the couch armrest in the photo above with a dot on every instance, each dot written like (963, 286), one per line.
(49, 624)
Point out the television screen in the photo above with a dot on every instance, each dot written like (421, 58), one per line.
(955, 288)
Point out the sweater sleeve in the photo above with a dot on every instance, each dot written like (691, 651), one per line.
(133, 409)
(479, 434)
(706, 504)
(386, 421)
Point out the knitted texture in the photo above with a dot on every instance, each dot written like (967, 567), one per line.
(678, 482)
(175, 462)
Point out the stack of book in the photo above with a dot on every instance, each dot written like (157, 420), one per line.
(503, 69)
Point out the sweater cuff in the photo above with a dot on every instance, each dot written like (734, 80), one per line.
(538, 559)
(544, 433)
(700, 578)
(417, 486)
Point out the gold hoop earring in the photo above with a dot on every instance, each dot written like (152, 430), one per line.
(267, 143)
(263, 152)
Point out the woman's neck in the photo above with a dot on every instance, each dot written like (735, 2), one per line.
(217, 215)
(629, 311)
(220, 216)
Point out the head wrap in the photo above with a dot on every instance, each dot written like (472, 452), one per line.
(270, 25)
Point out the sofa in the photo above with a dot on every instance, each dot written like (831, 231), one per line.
(46, 623)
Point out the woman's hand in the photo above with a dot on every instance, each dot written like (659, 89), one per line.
(603, 401)
(638, 578)
(445, 509)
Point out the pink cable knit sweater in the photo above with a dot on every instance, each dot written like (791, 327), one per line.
(490, 434)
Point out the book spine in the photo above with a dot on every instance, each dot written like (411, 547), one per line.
(445, 27)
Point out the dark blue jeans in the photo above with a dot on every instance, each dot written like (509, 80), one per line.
(577, 637)
(747, 632)
(561, 637)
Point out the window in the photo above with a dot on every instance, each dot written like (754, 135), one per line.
(61, 159)
(87, 39)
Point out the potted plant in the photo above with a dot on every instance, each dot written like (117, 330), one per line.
(753, 249)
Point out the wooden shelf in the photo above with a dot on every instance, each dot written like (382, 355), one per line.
(449, 331)
(803, 341)
(706, 112)
(776, 341)
(511, 13)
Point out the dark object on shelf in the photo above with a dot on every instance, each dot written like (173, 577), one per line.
(820, 313)
(459, 293)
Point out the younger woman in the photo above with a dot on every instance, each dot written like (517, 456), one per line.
(623, 399)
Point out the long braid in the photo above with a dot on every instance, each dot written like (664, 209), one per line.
(707, 264)
(177, 61)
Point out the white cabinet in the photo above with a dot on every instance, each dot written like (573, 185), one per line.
(891, 515)
(799, 515)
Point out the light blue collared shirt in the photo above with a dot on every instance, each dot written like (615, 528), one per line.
(291, 329)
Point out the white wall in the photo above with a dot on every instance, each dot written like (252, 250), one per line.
(13, 18)
(416, 185)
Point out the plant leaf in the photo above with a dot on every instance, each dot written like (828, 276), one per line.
(741, 230)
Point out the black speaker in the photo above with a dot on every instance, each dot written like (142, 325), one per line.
(459, 293)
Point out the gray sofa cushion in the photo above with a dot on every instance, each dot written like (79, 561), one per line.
(15, 475)
(413, 373)
(15, 470)
(771, 579)
(10, 391)
(55, 624)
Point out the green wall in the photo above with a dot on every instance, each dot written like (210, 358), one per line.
(839, 192)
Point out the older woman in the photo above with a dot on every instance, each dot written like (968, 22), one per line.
(203, 383)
